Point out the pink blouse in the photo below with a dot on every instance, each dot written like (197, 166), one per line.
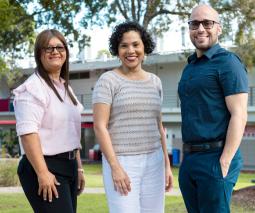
(38, 110)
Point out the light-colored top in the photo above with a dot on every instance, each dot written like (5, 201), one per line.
(38, 110)
(135, 111)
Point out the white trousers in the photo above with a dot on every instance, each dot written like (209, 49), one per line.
(147, 176)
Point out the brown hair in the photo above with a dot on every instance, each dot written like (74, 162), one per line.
(41, 42)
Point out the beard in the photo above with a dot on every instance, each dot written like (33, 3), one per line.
(204, 46)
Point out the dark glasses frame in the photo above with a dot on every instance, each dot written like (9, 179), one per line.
(51, 49)
(207, 24)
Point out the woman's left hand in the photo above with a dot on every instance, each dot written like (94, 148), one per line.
(169, 178)
(81, 181)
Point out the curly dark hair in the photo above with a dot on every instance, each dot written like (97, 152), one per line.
(127, 26)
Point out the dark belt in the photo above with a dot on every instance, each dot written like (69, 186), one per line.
(202, 147)
(71, 155)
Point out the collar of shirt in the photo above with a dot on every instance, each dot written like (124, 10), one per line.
(209, 53)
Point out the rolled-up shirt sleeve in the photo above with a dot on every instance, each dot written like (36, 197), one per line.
(29, 113)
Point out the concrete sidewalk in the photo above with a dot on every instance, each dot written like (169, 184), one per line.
(88, 190)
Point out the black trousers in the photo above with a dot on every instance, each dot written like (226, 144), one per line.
(66, 174)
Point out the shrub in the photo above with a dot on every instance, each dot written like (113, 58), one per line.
(8, 172)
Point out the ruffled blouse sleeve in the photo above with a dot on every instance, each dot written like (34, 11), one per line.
(30, 104)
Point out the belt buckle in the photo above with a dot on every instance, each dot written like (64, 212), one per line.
(71, 155)
(207, 146)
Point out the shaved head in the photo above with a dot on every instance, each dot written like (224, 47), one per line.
(205, 11)
(203, 37)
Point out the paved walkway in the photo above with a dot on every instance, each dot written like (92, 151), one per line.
(89, 190)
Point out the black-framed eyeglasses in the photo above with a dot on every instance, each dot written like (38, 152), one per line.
(207, 24)
(51, 49)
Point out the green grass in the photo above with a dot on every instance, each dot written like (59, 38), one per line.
(94, 203)
(93, 174)
(244, 180)
(14, 203)
(175, 204)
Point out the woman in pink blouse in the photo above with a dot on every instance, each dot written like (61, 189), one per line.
(48, 124)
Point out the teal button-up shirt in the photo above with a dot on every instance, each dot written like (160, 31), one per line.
(204, 84)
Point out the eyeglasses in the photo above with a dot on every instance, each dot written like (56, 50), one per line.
(51, 49)
(207, 24)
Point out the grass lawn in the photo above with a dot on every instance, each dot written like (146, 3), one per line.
(92, 203)
(96, 203)
(244, 180)
(93, 174)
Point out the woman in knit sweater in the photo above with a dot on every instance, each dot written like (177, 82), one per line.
(127, 123)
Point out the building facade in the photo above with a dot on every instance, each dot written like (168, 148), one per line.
(168, 67)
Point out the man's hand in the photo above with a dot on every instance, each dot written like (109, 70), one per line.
(224, 167)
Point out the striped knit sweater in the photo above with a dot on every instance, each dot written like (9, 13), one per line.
(135, 111)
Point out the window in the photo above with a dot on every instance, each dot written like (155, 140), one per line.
(79, 75)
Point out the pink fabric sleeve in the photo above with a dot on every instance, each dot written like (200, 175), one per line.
(29, 106)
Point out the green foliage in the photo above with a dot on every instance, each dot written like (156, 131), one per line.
(102, 53)
(16, 35)
(4, 18)
(8, 173)
(246, 51)
(9, 143)
(3, 67)
(154, 15)
(10, 75)
(16, 28)
(63, 15)
(19, 19)
(158, 16)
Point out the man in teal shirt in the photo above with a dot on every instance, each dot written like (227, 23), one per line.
(213, 91)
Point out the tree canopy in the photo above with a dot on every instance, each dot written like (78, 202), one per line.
(21, 19)
(16, 34)
(237, 18)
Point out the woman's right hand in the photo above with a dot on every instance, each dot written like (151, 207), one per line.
(47, 185)
(121, 180)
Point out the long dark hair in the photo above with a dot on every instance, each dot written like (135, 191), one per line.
(41, 42)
